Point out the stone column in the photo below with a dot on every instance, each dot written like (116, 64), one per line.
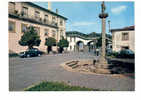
(103, 38)
(102, 61)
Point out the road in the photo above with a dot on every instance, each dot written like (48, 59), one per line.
(24, 72)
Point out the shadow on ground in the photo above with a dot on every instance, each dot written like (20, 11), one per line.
(120, 67)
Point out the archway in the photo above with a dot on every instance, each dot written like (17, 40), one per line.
(91, 46)
(80, 46)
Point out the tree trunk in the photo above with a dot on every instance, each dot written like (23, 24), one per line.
(30, 47)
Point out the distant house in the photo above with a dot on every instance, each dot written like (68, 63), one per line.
(84, 42)
(123, 38)
(80, 42)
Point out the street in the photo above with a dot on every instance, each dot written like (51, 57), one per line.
(24, 72)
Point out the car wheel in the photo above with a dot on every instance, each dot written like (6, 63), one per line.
(28, 55)
(39, 54)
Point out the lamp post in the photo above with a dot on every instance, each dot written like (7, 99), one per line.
(109, 25)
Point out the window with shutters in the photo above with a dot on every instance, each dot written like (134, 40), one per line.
(125, 36)
(11, 26)
(23, 28)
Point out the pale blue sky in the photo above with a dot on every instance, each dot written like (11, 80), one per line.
(83, 16)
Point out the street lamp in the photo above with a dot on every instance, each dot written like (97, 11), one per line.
(109, 25)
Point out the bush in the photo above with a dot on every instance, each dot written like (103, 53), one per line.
(13, 55)
(113, 54)
(56, 86)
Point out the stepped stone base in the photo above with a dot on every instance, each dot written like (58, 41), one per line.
(102, 71)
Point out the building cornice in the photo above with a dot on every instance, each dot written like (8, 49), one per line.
(130, 28)
(51, 12)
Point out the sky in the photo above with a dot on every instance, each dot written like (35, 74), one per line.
(83, 16)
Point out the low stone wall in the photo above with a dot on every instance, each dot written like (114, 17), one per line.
(86, 61)
(87, 66)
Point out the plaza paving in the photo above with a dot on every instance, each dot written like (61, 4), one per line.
(24, 72)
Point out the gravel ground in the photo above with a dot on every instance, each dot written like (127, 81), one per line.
(24, 72)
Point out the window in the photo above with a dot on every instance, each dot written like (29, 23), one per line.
(125, 36)
(46, 32)
(37, 29)
(24, 11)
(11, 7)
(53, 33)
(53, 18)
(61, 22)
(54, 21)
(37, 14)
(23, 28)
(46, 17)
(61, 33)
(11, 26)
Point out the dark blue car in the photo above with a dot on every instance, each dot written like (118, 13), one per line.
(126, 53)
(31, 53)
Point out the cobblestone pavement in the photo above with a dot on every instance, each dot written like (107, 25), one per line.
(24, 72)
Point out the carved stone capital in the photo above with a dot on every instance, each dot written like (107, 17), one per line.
(103, 15)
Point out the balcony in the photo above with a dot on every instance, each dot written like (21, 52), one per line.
(32, 19)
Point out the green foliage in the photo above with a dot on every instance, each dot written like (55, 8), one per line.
(99, 42)
(63, 43)
(56, 86)
(30, 38)
(93, 34)
(50, 41)
(113, 54)
(13, 55)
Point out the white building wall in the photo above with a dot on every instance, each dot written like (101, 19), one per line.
(74, 41)
(117, 41)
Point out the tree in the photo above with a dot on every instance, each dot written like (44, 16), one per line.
(50, 42)
(99, 42)
(62, 43)
(30, 38)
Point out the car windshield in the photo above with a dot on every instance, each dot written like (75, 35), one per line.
(130, 52)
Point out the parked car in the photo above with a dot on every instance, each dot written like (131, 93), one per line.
(31, 53)
(126, 53)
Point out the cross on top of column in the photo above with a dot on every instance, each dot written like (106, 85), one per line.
(103, 7)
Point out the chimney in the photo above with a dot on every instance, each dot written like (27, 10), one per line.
(56, 11)
(49, 5)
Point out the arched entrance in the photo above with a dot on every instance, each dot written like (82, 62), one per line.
(91, 46)
(80, 46)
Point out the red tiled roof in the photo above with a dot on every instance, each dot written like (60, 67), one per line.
(124, 29)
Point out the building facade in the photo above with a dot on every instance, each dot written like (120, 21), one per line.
(80, 41)
(46, 22)
(123, 38)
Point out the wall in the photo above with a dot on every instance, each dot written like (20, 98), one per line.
(74, 42)
(15, 37)
(117, 42)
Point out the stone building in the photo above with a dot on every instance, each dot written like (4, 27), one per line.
(46, 22)
(80, 42)
(123, 38)
(84, 42)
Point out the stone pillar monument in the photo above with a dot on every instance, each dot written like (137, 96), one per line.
(102, 63)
